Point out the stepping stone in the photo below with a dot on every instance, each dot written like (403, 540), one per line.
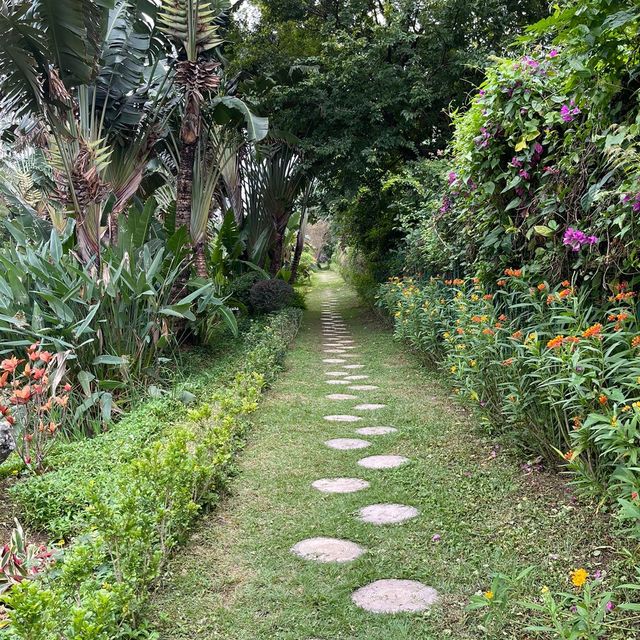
(382, 462)
(395, 596)
(363, 387)
(342, 396)
(387, 513)
(360, 377)
(340, 485)
(375, 431)
(334, 360)
(334, 351)
(337, 381)
(342, 418)
(354, 366)
(346, 444)
(328, 550)
(337, 374)
(346, 346)
(367, 406)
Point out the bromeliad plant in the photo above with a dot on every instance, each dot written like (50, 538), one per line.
(20, 560)
(34, 396)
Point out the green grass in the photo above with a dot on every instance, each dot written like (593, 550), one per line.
(238, 580)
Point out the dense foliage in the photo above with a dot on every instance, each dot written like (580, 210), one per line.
(132, 494)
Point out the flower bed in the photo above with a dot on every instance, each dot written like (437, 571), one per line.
(556, 375)
(141, 505)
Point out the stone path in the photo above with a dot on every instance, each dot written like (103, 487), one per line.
(386, 595)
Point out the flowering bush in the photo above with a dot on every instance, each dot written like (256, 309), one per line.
(555, 374)
(30, 402)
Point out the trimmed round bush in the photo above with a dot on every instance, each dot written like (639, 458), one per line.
(270, 295)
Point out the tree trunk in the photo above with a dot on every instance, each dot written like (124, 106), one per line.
(201, 261)
(184, 187)
(297, 254)
(276, 253)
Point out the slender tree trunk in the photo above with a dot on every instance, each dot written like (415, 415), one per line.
(276, 253)
(297, 254)
(184, 188)
(201, 261)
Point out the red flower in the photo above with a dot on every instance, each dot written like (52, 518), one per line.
(45, 356)
(10, 364)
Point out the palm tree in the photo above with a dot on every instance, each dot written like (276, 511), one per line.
(192, 27)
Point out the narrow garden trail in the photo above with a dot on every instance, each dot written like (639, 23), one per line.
(324, 537)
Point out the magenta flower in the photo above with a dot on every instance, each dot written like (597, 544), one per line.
(453, 176)
(553, 53)
(569, 112)
(516, 162)
(610, 606)
(577, 239)
(524, 174)
(436, 538)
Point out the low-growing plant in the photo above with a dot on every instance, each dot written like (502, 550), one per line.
(270, 295)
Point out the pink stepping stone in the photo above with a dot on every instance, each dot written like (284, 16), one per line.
(346, 444)
(369, 406)
(395, 596)
(342, 418)
(382, 462)
(380, 514)
(328, 550)
(340, 485)
(376, 431)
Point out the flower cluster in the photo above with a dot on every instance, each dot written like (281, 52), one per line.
(577, 239)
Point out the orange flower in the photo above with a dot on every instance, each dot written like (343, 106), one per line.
(498, 325)
(602, 399)
(487, 332)
(502, 317)
(459, 331)
(22, 396)
(45, 356)
(67, 387)
(565, 293)
(565, 283)
(517, 335)
(514, 273)
(52, 427)
(33, 356)
(556, 342)
(569, 455)
(508, 362)
(61, 401)
(572, 339)
(476, 319)
(593, 331)
(502, 283)
(635, 342)
(10, 364)
(457, 282)
(487, 296)
(577, 422)
(550, 298)
(38, 373)
(542, 286)
(3, 379)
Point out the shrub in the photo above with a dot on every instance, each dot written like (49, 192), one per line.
(555, 374)
(116, 321)
(240, 288)
(270, 295)
(140, 512)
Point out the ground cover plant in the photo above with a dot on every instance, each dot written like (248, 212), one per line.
(134, 513)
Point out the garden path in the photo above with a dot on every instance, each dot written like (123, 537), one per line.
(362, 490)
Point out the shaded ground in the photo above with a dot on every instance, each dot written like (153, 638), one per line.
(238, 580)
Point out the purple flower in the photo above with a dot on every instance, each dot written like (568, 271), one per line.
(516, 162)
(553, 53)
(446, 205)
(481, 92)
(568, 112)
(524, 174)
(576, 239)
(610, 606)
(453, 176)
(538, 148)
(436, 538)
(636, 204)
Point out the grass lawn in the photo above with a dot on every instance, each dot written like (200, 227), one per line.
(238, 580)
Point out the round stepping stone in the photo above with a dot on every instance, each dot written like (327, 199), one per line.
(354, 366)
(341, 396)
(375, 431)
(342, 418)
(387, 513)
(346, 444)
(337, 381)
(328, 550)
(363, 387)
(369, 406)
(382, 462)
(340, 485)
(335, 373)
(360, 377)
(333, 360)
(395, 596)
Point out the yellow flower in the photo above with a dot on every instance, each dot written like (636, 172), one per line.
(489, 595)
(579, 577)
(473, 363)
(454, 368)
(544, 590)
